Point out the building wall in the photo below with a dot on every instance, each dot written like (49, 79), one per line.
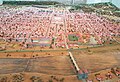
(96, 1)
(105, 0)
(80, 1)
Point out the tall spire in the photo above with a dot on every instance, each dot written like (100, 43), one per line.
(72, 2)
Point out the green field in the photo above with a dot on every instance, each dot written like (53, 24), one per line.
(72, 37)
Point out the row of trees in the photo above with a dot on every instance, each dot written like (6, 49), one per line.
(30, 2)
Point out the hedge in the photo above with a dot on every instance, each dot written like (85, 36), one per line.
(30, 2)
